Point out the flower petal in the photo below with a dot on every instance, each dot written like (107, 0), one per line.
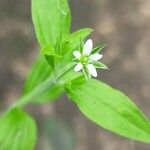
(96, 57)
(92, 70)
(87, 48)
(78, 67)
(77, 54)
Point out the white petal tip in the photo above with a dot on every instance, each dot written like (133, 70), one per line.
(96, 57)
(78, 67)
(77, 54)
(92, 70)
(88, 46)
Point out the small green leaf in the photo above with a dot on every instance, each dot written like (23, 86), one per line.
(17, 131)
(72, 41)
(110, 109)
(99, 48)
(100, 65)
(81, 45)
(50, 54)
(49, 51)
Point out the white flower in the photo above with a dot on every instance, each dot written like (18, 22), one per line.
(86, 58)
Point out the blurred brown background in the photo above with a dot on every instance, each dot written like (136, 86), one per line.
(124, 24)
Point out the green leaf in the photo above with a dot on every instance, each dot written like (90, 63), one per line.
(17, 131)
(73, 41)
(51, 20)
(110, 109)
(69, 76)
(49, 50)
(51, 55)
(81, 45)
(38, 73)
(98, 49)
(40, 85)
(100, 65)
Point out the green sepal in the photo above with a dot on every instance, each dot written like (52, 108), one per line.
(100, 65)
(86, 73)
(99, 48)
(81, 45)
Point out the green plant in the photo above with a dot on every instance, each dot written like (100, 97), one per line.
(53, 74)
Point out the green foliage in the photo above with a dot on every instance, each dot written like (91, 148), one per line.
(36, 89)
(110, 109)
(51, 20)
(86, 73)
(49, 50)
(53, 71)
(37, 74)
(51, 54)
(69, 76)
(72, 42)
(17, 131)
(100, 65)
(99, 48)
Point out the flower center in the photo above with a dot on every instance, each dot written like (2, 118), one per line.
(84, 60)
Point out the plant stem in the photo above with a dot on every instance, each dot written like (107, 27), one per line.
(37, 91)
(41, 88)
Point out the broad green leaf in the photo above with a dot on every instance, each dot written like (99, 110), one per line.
(17, 131)
(110, 109)
(100, 65)
(51, 19)
(40, 85)
(98, 49)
